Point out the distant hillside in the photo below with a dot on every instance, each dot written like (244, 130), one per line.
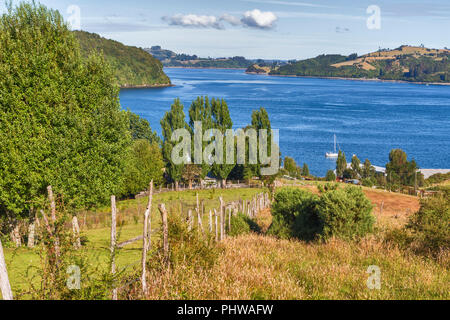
(172, 59)
(406, 63)
(133, 66)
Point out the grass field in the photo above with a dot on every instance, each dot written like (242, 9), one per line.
(256, 266)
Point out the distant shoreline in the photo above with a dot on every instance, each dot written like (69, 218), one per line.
(147, 86)
(206, 68)
(352, 79)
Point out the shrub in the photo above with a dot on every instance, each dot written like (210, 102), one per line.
(289, 203)
(345, 213)
(190, 249)
(330, 176)
(241, 224)
(430, 226)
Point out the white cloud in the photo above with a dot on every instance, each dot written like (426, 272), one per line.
(193, 20)
(259, 19)
(254, 19)
(231, 19)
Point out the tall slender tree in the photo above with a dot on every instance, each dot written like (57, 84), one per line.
(201, 111)
(173, 120)
(222, 122)
(341, 164)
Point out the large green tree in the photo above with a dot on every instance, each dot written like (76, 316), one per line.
(61, 122)
(400, 171)
(200, 111)
(222, 122)
(140, 129)
(173, 120)
(144, 163)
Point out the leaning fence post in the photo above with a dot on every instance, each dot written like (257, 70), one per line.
(190, 222)
(113, 241)
(163, 211)
(4, 280)
(147, 238)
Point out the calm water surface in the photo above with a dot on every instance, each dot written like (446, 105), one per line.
(368, 118)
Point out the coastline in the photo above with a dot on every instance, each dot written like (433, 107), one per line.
(354, 79)
(206, 68)
(147, 86)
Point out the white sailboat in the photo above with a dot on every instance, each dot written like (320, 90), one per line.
(332, 154)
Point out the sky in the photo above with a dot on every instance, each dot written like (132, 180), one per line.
(267, 29)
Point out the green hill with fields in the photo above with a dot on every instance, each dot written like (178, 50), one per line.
(406, 63)
(133, 67)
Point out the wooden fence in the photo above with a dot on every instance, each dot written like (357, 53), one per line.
(218, 220)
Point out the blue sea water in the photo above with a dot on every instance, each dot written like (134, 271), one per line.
(368, 118)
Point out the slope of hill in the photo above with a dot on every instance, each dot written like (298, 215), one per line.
(133, 66)
(172, 59)
(406, 63)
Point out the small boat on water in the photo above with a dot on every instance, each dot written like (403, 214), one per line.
(332, 154)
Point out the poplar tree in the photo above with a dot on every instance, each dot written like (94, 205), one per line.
(222, 121)
(201, 110)
(341, 164)
(173, 120)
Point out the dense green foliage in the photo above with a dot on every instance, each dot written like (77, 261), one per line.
(172, 120)
(61, 122)
(343, 213)
(132, 66)
(428, 230)
(330, 176)
(402, 172)
(438, 178)
(431, 224)
(140, 129)
(144, 163)
(341, 164)
(241, 224)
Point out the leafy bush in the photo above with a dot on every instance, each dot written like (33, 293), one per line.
(191, 248)
(241, 224)
(430, 226)
(289, 203)
(345, 213)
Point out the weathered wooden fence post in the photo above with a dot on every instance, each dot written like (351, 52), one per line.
(147, 238)
(210, 222)
(53, 213)
(165, 227)
(381, 207)
(113, 241)
(31, 232)
(76, 232)
(190, 220)
(217, 230)
(222, 222)
(4, 280)
(229, 220)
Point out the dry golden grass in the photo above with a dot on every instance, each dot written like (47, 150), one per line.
(260, 267)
